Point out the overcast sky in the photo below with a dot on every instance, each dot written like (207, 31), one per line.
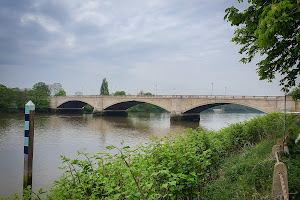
(176, 46)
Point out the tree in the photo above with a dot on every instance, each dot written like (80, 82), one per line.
(4, 101)
(296, 93)
(272, 30)
(39, 95)
(142, 93)
(61, 92)
(55, 88)
(40, 98)
(42, 86)
(119, 93)
(104, 87)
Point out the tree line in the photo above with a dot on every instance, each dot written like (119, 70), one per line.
(14, 99)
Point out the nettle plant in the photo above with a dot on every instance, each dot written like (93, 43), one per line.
(169, 168)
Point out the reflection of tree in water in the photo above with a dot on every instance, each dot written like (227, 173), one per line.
(75, 119)
(41, 121)
(157, 124)
(109, 123)
(9, 121)
(180, 125)
(4, 123)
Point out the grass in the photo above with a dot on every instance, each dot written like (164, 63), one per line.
(248, 174)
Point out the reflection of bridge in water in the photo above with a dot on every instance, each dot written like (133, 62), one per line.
(181, 107)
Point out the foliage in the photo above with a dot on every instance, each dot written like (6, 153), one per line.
(270, 29)
(234, 108)
(14, 99)
(292, 161)
(104, 87)
(250, 172)
(146, 107)
(56, 89)
(88, 108)
(142, 93)
(119, 93)
(247, 175)
(177, 166)
(28, 194)
(4, 103)
(61, 92)
(40, 98)
(296, 93)
(42, 86)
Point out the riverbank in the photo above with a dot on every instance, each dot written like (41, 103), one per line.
(177, 166)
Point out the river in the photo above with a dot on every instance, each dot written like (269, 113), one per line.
(59, 134)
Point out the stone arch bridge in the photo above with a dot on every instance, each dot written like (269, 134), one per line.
(181, 107)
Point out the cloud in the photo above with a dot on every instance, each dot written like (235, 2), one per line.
(172, 43)
(47, 23)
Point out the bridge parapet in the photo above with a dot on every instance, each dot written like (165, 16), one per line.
(181, 104)
(176, 96)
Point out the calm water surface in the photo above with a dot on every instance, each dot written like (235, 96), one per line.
(57, 135)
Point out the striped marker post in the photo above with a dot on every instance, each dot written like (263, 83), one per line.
(28, 143)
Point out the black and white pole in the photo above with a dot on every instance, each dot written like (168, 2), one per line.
(28, 143)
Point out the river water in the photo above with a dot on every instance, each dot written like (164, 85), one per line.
(59, 134)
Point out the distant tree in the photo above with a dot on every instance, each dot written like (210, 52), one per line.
(42, 86)
(104, 87)
(142, 93)
(295, 93)
(148, 94)
(61, 92)
(4, 101)
(13, 99)
(40, 98)
(146, 107)
(119, 93)
(55, 88)
(39, 95)
(88, 108)
(270, 29)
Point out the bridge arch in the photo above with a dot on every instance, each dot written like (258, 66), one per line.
(125, 105)
(73, 104)
(202, 107)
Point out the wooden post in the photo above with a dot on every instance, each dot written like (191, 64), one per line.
(28, 143)
(277, 190)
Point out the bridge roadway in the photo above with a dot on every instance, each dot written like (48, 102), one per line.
(181, 107)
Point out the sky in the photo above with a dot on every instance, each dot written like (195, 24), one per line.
(159, 46)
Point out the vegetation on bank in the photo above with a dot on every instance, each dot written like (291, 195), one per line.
(14, 99)
(295, 93)
(146, 107)
(233, 163)
(234, 108)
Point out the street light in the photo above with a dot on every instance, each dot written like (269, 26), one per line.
(212, 87)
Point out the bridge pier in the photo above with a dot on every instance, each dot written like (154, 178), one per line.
(195, 117)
